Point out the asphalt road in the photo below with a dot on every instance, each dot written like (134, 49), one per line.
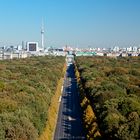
(69, 124)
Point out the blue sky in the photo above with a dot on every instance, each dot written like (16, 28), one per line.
(82, 23)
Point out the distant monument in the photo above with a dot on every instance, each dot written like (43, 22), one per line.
(42, 36)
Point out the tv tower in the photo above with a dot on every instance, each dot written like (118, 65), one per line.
(42, 35)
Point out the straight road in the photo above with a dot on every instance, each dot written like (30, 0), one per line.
(69, 124)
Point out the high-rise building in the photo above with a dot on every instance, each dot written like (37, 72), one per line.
(23, 46)
(32, 47)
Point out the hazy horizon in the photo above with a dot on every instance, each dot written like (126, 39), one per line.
(79, 23)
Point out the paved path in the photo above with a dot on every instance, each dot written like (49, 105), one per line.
(69, 118)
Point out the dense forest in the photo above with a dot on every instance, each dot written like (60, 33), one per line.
(110, 96)
(26, 88)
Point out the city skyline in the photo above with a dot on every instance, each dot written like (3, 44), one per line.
(79, 23)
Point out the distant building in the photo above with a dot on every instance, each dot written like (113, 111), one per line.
(100, 54)
(19, 48)
(116, 49)
(135, 48)
(138, 49)
(123, 55)
(23, 46)
(32, 47)
(129, 49)
(85, 53)
(69, 59)
(59, 52)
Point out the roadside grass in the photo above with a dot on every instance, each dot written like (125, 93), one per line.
(89, 119)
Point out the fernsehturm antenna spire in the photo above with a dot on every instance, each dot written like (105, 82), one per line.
(42, 35)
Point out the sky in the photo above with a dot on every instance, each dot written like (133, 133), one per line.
(78, 23)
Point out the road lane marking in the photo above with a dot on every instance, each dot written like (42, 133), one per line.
(71, 119)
